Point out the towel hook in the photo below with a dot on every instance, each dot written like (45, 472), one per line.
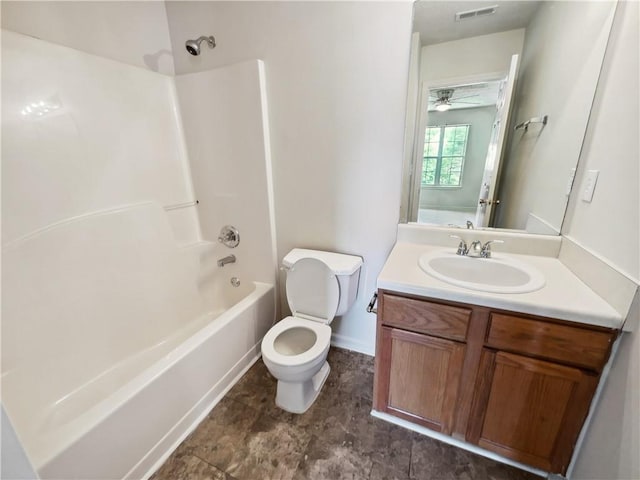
(543, 120)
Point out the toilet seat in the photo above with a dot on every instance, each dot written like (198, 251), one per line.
(323, 339)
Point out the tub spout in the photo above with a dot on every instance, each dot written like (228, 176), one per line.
(228, 259)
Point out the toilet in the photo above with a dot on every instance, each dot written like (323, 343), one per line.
(320, 286)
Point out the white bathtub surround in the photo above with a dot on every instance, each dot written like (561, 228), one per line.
(81, 364)
(114, 140)
(226, 127)
(111, 298)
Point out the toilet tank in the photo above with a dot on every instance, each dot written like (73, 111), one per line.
(345, 267)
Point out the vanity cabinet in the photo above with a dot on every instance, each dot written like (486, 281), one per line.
(421, 349)
(421, 375)
(529, 410)
(515, 384)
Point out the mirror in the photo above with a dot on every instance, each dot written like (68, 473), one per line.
(498, 103)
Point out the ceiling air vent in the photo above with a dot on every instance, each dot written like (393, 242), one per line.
(478, 12)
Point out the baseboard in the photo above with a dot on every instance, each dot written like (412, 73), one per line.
(349, 343)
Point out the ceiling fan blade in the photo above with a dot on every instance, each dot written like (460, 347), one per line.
(466, 96)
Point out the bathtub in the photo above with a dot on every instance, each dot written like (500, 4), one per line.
(107, 364)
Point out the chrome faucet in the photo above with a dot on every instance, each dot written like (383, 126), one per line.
(463, 249)
(228, 259)
(486, 248)
(476, 249)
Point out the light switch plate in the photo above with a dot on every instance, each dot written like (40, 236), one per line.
(590, 185)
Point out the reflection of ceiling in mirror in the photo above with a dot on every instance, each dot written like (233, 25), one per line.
(436, 23)
(472, 95)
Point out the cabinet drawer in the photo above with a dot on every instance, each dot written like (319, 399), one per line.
(425, 317)
(564, 343)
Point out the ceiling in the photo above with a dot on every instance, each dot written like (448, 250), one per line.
(435, 19)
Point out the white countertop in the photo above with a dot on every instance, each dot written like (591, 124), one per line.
(564, 295)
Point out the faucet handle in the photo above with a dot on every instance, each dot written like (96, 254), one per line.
(463, 249)
(229, 236)
(486, 248)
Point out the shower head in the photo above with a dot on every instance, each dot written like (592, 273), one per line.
(193, 46)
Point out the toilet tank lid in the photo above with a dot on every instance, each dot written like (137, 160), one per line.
(339, 263)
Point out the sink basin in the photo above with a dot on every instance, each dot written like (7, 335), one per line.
(499, 274)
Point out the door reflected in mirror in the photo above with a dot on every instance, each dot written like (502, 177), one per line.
(471, 83)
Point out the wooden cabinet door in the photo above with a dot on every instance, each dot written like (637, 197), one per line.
(418, 377)
(529, 410)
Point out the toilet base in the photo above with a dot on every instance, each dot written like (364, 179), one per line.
(297, 397)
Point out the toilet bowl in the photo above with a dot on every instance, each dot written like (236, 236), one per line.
(320, 285)
(295, 352)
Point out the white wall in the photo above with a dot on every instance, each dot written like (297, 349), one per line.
(130, 32)
(465, 197)
(609, 226)
(561, 59)
(224, 115)
(113, 141)
(611, 146)
(469, 57)
(336, 83)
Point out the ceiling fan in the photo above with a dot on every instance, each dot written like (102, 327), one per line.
(445, 98)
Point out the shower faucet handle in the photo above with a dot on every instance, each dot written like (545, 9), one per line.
(229, 236)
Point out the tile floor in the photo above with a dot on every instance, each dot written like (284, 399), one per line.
(246, 437)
